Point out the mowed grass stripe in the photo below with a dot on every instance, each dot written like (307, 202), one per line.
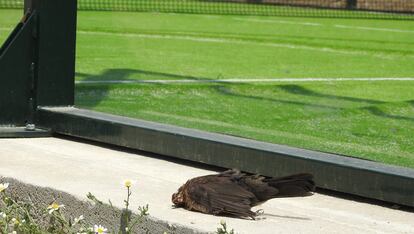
(283, 64)
(235, 80)
(312, 24)
(195, 38)
(375, 29)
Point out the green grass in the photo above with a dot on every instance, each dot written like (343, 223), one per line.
(272, 47)
(347, 118)
(367, 119)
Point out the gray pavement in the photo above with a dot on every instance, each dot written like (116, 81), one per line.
(79, 168)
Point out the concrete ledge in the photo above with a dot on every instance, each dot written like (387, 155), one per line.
(104, 214)
(333, 172)
(77, 168)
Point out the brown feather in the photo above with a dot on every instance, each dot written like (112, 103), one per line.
(235, 193)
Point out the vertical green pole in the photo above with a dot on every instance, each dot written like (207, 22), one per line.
(55, 68)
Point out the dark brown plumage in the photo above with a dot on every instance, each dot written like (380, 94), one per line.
(234, 193)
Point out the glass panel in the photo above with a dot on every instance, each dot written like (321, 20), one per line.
(327, 84)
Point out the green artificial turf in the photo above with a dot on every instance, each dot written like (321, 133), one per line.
(367, 119)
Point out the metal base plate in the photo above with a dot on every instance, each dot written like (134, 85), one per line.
(22, 132)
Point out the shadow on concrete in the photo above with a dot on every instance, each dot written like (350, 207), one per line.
(285, 217)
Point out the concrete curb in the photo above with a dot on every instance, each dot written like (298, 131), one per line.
(344, 174)
(104, 214)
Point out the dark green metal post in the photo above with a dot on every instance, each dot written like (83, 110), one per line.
(56, 52)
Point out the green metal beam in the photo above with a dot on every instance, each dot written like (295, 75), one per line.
(16, 74)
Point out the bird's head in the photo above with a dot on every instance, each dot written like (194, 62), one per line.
(177, 198)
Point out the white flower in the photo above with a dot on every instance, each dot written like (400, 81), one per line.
(77, 220)
(14, 232)
(99, 229)
(3, 187)
(128, 183)
(3, 215)
(222, 222)
(15, 221)
(54, 207)
(126, 229)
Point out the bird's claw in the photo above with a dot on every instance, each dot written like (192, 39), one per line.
(259, 212)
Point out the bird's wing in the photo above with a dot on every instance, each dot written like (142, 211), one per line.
(222, 196)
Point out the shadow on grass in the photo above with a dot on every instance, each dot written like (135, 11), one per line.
(226, 91)
(124, 74)
(378, 112)
(120, 75)
(297, 89)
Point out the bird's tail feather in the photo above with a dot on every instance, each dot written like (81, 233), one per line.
(293, 185)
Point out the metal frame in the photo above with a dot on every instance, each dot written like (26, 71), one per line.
(38, 72)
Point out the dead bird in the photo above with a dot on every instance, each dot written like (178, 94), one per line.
(233, 193)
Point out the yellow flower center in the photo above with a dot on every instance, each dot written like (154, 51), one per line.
(100, 230)
(128, 183)
(54, 206)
